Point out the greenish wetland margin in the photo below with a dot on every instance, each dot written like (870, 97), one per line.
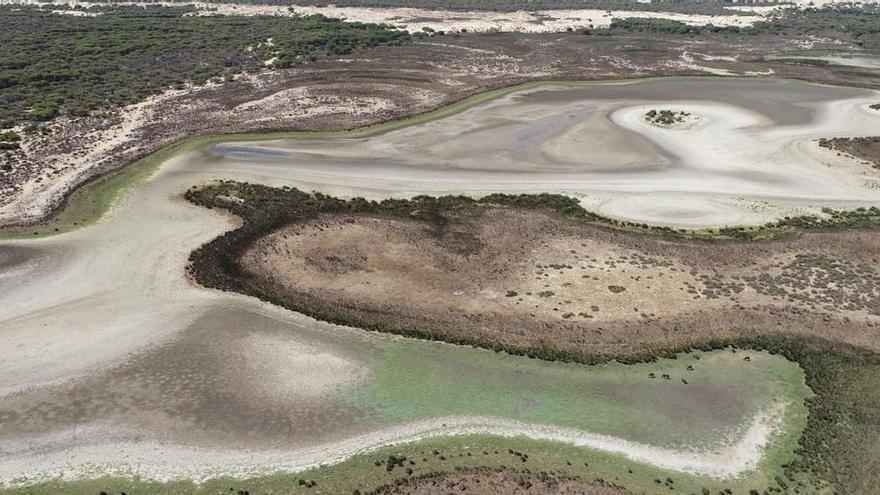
(840, 447)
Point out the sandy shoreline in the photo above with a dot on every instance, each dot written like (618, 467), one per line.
(162, 462)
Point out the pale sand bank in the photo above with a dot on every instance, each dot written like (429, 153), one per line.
(164, 462)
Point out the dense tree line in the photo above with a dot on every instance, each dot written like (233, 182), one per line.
(668, 26)
(54, 64)
(861, 21)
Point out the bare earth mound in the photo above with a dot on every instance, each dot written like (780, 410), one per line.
(524, 279)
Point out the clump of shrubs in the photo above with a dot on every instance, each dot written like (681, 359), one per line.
(9, 140)
(665, 117)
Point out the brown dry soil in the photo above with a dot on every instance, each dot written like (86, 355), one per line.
(866, 149)
(526, 280)
(497, 483)
(197, 389)
(385, 83)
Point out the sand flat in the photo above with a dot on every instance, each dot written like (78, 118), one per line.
(749, 158)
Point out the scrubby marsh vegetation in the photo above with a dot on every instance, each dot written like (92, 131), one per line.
(864, 148)
(56, 64)
(840, 447)
(666, 26)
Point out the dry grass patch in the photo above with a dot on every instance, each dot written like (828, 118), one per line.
(525, 279)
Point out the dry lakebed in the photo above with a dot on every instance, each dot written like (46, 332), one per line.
(118, 363)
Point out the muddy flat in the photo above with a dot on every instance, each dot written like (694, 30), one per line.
(748, 157)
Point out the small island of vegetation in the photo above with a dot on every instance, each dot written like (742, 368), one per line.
(666, 117)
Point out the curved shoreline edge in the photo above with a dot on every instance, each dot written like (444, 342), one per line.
(735, 460)
(114, 183)
(90, 200)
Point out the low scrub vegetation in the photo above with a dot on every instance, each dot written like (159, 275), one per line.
(701, 6)
(860, 22)
(857, 23)
(839, 449)
(865, 148)
(54, 64)
(9, 140)
(667, 26)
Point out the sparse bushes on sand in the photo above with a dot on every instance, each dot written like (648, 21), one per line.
(56, 64)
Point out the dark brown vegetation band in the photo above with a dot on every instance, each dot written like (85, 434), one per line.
(840, 446)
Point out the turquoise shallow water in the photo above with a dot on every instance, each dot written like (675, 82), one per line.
(413, 380)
